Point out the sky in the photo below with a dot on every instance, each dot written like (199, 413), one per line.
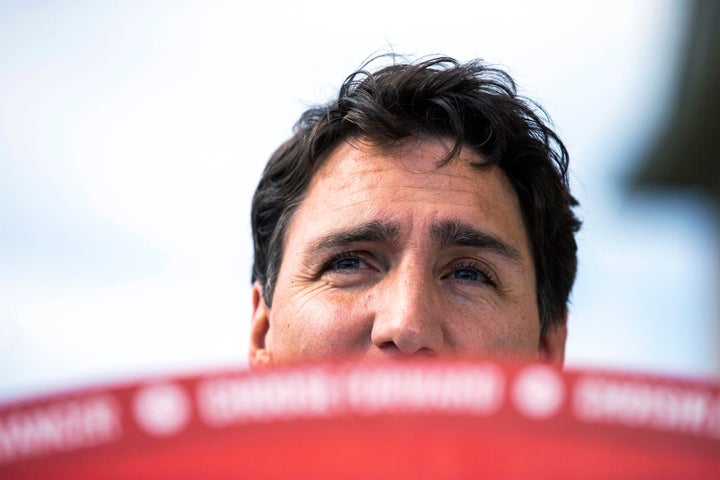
(132, 135)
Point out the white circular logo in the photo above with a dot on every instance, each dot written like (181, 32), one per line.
(538, 392)
(162, 410)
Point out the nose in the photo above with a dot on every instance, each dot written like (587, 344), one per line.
(408, 319)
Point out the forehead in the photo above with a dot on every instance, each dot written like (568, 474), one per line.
(406, 184)
(408, 162)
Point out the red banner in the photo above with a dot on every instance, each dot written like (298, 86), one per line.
(419, 419)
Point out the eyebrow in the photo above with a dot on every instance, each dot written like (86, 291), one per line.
(454, 233)
(374, 231)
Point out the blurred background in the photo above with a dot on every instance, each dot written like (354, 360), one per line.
(132, 135)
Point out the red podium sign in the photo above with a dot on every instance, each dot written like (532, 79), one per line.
(398, 420)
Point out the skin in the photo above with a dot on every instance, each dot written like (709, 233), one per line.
(389, 256)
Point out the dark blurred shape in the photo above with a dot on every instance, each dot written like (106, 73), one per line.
(687, 153)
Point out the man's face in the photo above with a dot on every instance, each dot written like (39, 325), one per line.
(390, 256)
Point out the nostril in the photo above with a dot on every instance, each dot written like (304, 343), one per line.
(389, 345)
(391, 348)
(426, 352)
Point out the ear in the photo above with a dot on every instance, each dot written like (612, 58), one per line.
(259, 354)
(551, 348)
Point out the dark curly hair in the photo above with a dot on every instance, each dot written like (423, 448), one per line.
(471, 103)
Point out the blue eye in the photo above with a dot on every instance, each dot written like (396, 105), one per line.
(466, 274)
(344, 262)
(347, 264)
(472, 273)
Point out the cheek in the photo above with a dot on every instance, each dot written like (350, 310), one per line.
(504, 331)
(346, 322)
(319, 328)
(347, 327)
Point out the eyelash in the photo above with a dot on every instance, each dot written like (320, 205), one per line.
(332, 261)
(489, 278)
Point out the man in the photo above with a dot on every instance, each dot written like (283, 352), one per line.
(424, 212)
